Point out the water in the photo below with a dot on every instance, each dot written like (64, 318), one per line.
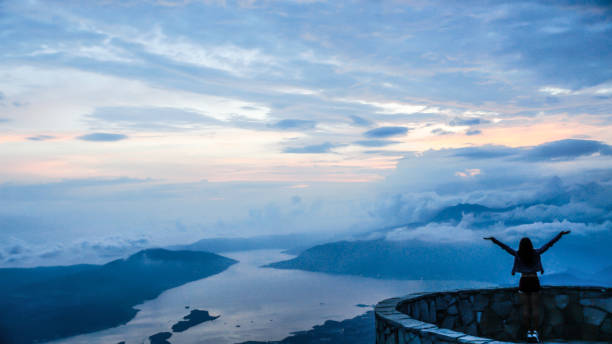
(266, 304)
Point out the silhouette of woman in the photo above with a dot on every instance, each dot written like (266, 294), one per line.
(527, 262)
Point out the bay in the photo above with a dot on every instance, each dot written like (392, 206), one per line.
(257, 303)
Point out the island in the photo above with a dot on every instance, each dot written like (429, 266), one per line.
(160, 338)
(41, 304)
(194, 318)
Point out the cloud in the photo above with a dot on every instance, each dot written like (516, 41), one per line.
(566, 150)
(360, 121)
(98, 250)
(545, 230)
(289, 124)
(546, 210)
(40, 137)
(462, 121)
(483, 152)
(532, 204)
(468, 172)
(229, 58)
(440, 131)
(383, 132)
(465, 232)
(437, 233)
(555, 91)
(550, 30)
(320, 148)
(502, 169)
(102, 137)
(150, 118)
(375, 143)
(65, 189)
(561, 150)
(471, 132)
(391, 108)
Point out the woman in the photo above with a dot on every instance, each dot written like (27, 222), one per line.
(527, 262)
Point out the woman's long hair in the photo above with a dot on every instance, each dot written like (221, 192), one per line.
(526, 252)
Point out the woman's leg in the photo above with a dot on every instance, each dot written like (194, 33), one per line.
(534, 300)
(525, 306)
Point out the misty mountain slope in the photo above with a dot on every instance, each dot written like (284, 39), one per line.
(288, 242)
(404, 260)
(456, 212)
(91, 298)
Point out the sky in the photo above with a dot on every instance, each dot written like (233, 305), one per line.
(127, 124)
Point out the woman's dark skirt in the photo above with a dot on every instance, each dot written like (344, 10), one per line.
(529, 284)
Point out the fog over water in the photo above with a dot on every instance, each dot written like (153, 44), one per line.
(267, 304)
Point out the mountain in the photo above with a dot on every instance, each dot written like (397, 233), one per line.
(42, 304)
(293, 242)
(455, 213)
(404, 260)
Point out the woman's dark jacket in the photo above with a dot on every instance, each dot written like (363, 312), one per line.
(536, 264)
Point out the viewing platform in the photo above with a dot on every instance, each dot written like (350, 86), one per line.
(493, 316)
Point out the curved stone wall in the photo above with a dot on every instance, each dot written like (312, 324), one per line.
(492, 315)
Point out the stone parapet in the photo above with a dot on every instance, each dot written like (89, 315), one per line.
(493, 316)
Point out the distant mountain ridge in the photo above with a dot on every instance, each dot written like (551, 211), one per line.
(42, 304)
(403, 260)
(294, 242)
(455, 212)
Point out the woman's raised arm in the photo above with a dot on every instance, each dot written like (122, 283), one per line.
(502, 245)
(552, 242)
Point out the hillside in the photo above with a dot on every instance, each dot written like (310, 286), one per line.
(49, 303)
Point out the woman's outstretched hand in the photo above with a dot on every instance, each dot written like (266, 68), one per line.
(565, 232)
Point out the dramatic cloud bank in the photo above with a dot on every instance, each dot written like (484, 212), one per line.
(454, 196)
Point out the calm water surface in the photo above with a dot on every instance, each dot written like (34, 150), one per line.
(258, 303)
